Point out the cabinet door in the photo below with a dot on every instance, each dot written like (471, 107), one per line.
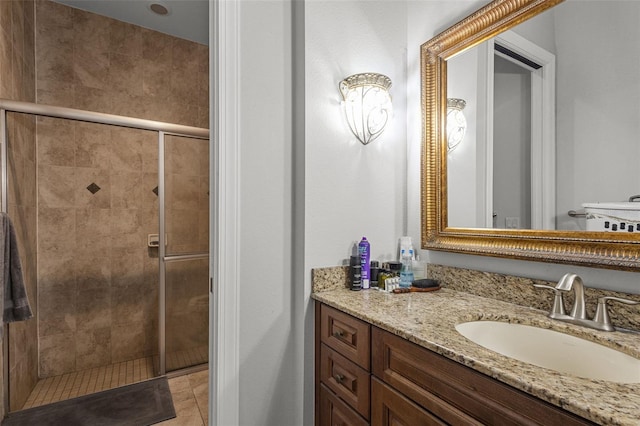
(334, 412)
(388, 407)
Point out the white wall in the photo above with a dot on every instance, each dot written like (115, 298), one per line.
(269, 335)
(350, 190)
(540, 30)
(353, 190)
(462, 82)
(512, 144)
(598, 104)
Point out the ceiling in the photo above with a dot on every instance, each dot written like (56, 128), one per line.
(187, 19)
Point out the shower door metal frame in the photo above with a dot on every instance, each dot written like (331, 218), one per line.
(163, 129)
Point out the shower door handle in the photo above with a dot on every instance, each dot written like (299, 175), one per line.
(153, 240)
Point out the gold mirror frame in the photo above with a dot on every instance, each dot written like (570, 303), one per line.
(599, 249)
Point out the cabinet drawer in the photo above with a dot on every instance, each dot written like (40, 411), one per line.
(388, 407)
(456, 393)
(347, 335)
(345, 379)
(334, 412)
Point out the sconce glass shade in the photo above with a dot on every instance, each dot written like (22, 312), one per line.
(367, 104)
(456, 122)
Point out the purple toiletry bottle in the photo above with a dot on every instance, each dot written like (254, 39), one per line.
(364, 249)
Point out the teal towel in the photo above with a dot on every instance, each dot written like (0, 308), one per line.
(16, 304)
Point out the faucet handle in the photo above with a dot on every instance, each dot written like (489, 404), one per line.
(558, 303)
(602, 313)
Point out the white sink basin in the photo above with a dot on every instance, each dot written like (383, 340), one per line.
(553, 350)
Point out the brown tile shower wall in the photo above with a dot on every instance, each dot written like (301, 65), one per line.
(17, 82)
(91, 62)
(97, 278)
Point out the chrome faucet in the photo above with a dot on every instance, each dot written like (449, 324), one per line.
(566, 283)
(578, 315)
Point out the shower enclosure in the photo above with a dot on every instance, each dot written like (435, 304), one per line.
(121, 207)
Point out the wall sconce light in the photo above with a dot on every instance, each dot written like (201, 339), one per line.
(367, 104)
(456, 122)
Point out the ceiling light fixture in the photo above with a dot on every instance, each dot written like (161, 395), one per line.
(159, 9)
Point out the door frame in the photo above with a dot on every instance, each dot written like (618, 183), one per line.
(543, 139)
(224, 175)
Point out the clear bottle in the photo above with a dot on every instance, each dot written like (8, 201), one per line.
(418, 269)
(406, 271)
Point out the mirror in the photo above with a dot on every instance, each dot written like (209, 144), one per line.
(464, 190)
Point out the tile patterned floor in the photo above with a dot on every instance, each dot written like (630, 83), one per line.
(70, 385)
(187, 358)
(190, 398)
(190, 392)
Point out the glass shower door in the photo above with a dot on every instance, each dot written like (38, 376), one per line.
(184, 265)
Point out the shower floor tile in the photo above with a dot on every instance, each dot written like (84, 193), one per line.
(187, 358)
(190, 394)
(79, 383)
(70, 385)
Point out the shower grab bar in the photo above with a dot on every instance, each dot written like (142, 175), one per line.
(190, 256)
(102, 118)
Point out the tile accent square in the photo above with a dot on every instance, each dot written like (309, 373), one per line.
(93, 188)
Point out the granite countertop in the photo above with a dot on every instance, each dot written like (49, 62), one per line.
(429, 319)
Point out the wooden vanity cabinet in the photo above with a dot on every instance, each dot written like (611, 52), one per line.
(343, 368)
(365, 375)
(453, 393)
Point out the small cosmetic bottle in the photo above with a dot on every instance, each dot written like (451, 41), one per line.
(383, 274)
(374, 273)
(355, 273)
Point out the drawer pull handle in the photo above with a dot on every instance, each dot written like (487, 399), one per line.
(339, 378)
(338, 334)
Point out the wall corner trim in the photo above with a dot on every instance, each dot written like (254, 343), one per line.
(224, 339)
